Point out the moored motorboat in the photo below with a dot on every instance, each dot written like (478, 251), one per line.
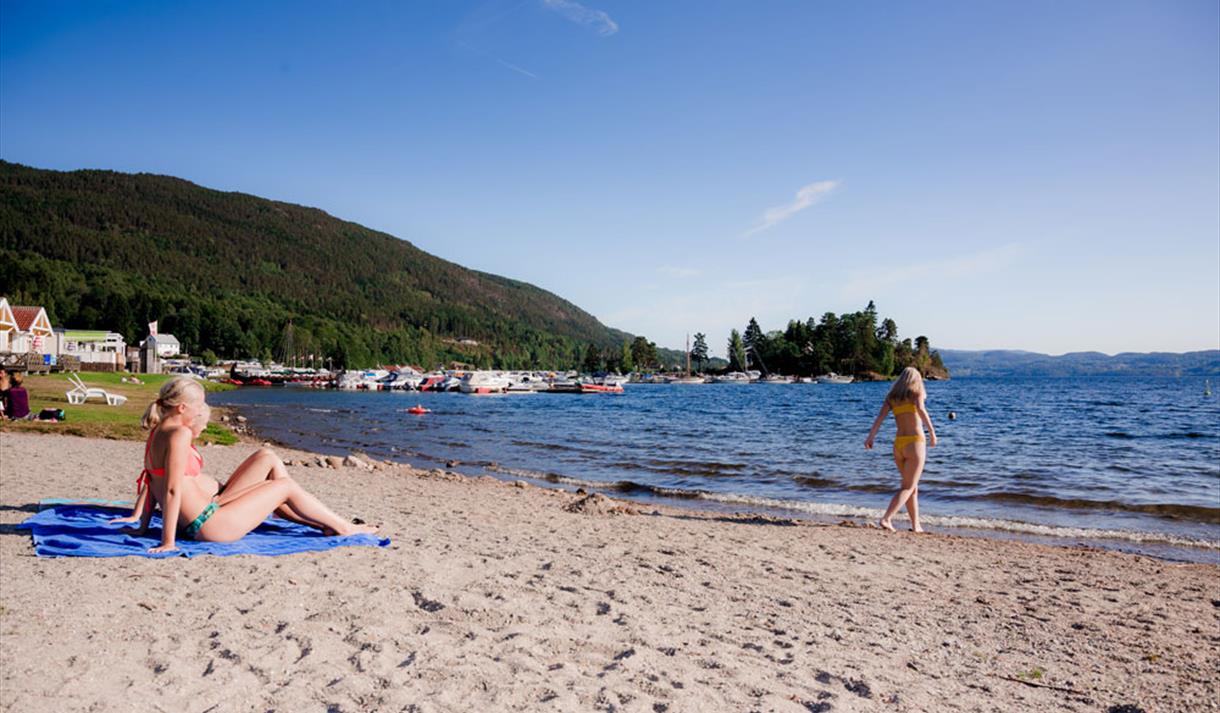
(484, 382)
(595, 388)
(833, 378)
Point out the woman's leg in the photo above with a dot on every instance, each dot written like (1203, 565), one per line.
(261, 466)
(910, 463)
(913, 509)
(241, 512)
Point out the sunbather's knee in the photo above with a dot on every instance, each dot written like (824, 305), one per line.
(266, 453)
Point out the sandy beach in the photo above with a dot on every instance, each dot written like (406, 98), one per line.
(502, 596)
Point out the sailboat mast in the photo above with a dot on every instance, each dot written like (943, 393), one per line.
(688, 354)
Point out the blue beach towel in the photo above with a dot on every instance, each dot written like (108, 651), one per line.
(79, 530)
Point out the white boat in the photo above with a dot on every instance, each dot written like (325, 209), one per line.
(367, 379)
(688, 379)
(833, 378)
(526, 383)
(733, 377)
(777, 379)
(484, 382)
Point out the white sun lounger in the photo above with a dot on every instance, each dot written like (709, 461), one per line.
(80, 393)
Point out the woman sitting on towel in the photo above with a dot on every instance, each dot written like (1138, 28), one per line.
(206, 483)
(259, 487)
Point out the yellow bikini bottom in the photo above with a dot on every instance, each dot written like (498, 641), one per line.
(901, 442)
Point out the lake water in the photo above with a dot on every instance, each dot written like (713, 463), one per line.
(1119, 462)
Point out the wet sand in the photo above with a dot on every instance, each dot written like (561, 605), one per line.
(497, 596)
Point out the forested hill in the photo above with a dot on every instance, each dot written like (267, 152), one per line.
(1011, 363)
(229, 272)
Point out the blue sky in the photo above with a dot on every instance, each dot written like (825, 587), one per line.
(1032, 175)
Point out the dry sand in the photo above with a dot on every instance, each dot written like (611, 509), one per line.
(498, 597)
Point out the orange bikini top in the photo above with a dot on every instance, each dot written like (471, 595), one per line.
(193, 468)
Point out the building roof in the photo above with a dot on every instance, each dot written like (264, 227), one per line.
(86, 335)
(6, 316)
(166, 339)
(31, 319)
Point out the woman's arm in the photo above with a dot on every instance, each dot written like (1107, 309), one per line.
(146, 513)
(927, 423)
(175, 466)
(137, 511)
(872, 433)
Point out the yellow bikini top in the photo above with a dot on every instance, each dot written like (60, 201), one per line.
(907, 407)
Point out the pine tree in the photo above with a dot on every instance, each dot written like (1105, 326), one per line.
(698, 352)
(737, 352)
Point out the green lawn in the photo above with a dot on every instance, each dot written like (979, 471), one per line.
(97, 419)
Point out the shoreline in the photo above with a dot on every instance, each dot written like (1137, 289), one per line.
(1161, 545)
(507, 596)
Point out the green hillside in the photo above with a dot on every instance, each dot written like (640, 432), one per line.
(229, 272)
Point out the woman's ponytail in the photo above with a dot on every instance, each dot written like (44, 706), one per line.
(173, 392)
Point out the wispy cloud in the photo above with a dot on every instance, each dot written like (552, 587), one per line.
(515, 68)
(600, 22)
(805, 197)
(501, 62)
(879, 280)
(677, 271)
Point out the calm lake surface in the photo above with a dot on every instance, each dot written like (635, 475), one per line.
(1119, 462)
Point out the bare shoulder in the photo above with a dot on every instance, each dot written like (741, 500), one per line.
(178, 436)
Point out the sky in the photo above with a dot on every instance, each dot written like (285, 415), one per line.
(999, 175)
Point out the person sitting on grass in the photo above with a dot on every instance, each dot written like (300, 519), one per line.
(16, 399)
(259, 487)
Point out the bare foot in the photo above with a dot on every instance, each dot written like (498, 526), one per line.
(885, 525)
(357, 530)
(917, 530)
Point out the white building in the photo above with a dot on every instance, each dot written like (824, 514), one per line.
(103, 349)
(8, 326)
(33, 330)
(167, 345)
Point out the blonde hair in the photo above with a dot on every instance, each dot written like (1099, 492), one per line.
(173, 393)
(201, 419)
(907, 388)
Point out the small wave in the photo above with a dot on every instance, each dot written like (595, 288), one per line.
(980, 523)
(816, 482)
(1123, 435)
(321, 410)
(1173, 511)
(684, 468)
(843, 510)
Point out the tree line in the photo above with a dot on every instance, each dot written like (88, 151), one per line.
(856, 343)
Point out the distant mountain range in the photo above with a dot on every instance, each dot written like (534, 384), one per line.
(1005, 362)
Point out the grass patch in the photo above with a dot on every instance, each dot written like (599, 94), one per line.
(96, 419)
(1033, 674)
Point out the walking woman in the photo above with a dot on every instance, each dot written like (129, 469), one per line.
(906, 401)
